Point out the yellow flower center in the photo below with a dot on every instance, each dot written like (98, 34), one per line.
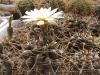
(42, 19)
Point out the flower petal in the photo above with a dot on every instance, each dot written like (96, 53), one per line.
(51, 20)
(58, 15)
(29, 20)
(53, 11)
(43, 14)
(49, 9)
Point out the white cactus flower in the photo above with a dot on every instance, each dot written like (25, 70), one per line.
(43, 16)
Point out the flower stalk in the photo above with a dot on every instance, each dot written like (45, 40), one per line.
(10, 29)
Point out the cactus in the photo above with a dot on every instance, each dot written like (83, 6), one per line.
(7, 70)
(68, 49)
(81, 7)
(55, 4)
(98, 12)
(25, 5)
